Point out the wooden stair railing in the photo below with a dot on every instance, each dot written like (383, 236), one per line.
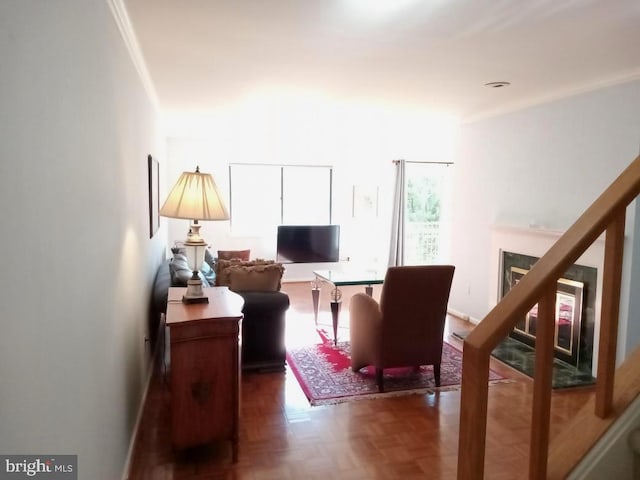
(606, 214)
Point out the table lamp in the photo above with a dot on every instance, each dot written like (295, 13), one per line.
(195, 197)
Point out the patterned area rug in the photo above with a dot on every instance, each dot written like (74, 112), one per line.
(324, 373)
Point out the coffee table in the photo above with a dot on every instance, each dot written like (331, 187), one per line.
(340, 278)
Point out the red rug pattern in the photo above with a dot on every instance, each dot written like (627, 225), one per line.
(324, 373)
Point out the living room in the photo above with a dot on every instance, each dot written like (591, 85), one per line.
(78, 125)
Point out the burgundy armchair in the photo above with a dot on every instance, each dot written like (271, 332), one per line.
(406, 328)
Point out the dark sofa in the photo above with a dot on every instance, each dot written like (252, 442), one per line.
(263, 325)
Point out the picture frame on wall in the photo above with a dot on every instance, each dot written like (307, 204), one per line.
(154, 195)
(568, 313)
(364, 201)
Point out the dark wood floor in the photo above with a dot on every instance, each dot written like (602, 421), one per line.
(282, 437)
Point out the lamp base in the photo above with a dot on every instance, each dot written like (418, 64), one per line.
(186, 299)
(194, 293)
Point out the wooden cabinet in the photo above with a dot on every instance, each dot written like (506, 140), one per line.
(205, 368)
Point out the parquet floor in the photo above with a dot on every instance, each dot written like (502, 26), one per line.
(282, 437)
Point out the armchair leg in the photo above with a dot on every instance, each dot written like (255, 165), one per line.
(380, 379)
(436, 373)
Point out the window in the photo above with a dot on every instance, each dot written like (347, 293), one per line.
(264, 196)
(426, 226)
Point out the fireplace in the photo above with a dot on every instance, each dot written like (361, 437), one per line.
(575, 309)
(514, 250)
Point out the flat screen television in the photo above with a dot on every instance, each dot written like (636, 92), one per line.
(308, 243)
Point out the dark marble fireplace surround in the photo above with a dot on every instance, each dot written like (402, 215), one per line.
(517, 350)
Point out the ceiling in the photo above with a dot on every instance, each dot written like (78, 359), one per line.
(204, 55)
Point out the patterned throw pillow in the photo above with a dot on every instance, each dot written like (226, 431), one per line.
(243, 255)
(181, 273)
(256, 278)
(222, 268)
(209, 258)
(208, 273)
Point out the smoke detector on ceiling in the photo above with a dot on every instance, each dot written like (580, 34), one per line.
(497, 84)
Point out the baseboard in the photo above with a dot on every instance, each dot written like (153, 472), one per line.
(264, 367)
(463, 316)
(126, 472)
(298, 280)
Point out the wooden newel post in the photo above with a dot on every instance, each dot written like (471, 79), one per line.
(473, 413)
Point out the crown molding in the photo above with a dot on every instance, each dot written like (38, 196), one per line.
(121, 17)
(620, 79)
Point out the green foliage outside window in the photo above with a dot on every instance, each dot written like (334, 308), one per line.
(423, 199)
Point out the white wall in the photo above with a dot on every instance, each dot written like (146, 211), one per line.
(358, 140)
(631, 330)
(541, 166)
(76, 128)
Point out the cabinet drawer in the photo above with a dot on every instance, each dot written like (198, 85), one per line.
(204, 329)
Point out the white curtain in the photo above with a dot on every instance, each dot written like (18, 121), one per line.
(396, 250)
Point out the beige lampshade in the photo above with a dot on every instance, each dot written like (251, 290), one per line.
(195, 196)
